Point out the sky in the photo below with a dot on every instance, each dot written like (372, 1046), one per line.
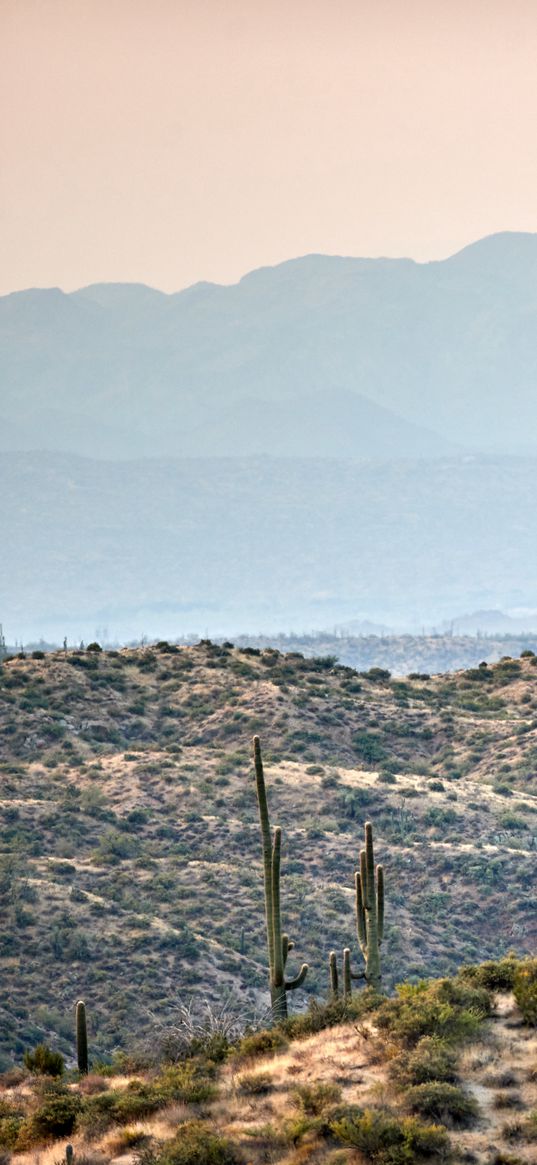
(171, 141)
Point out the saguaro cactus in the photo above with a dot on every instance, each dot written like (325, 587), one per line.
(370, 909)
(334, 977)
(81, 1037)
(278, 944)
(347, 974)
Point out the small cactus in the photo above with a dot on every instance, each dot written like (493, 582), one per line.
(278, 943)
(334, 978)
(347, 984)
(81, 1037)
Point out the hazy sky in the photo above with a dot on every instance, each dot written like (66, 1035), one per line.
(175, 140)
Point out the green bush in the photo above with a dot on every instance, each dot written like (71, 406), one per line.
(449, 1009)
(525, 989)
(55, 1117)
(440, 1101)
(255, 1084)
(390, 1140)
(495, 975)
(44, 1062)
(431, 1059)
(189, 1082)
(10, 1124)
(314, 1099)
(195, 1144)
(369, 748)
(261, 1044)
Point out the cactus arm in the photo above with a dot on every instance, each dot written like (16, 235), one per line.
(369, 895)
(367, 865)
(277, 942)
(267, 850)
(332, 967)
(287, 946)
(292, 984)
(380, 902)
(347, 984)
(360, 914)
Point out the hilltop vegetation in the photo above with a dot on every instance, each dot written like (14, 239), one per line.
(445, 1070)
(131, 868)
(401, 654)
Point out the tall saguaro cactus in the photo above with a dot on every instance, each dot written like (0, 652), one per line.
(81, 1038)
(370, 909)
(278, 944)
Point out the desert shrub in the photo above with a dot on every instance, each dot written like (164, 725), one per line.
(431, 1059)
(503, 1079)
(124, 1141)
(55, 1117)
(44, 1062)
(195, 1144)
(447, 1008)
(528, 1129)
(189, 1082)
(314, 1099)
(261, 1044)
(440, 1101)
(495, 975)
(507, 1100)
(324, 1015)
(369, 748)
(500, 1158)
(525, 989)
(390, 1140)
(10, 1124)
(255, 1084)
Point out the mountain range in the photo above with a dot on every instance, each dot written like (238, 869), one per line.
(321, 356)
(329, 440)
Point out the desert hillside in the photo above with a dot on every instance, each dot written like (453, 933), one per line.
(131, 871)
(444, 1071)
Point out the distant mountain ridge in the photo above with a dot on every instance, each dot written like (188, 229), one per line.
(318, 356)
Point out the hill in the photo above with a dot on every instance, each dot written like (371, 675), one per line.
(318, 356)
(443, 1072)
(164, 548)
(131, 858)
(402, 654)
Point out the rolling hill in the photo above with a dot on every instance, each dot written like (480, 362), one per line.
(130, 866)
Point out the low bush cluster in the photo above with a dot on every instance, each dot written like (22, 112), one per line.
(390, 1140)
(448, 1009)
(439, 1101)
(525, 989)
(431, 1059)
(194, 1144)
